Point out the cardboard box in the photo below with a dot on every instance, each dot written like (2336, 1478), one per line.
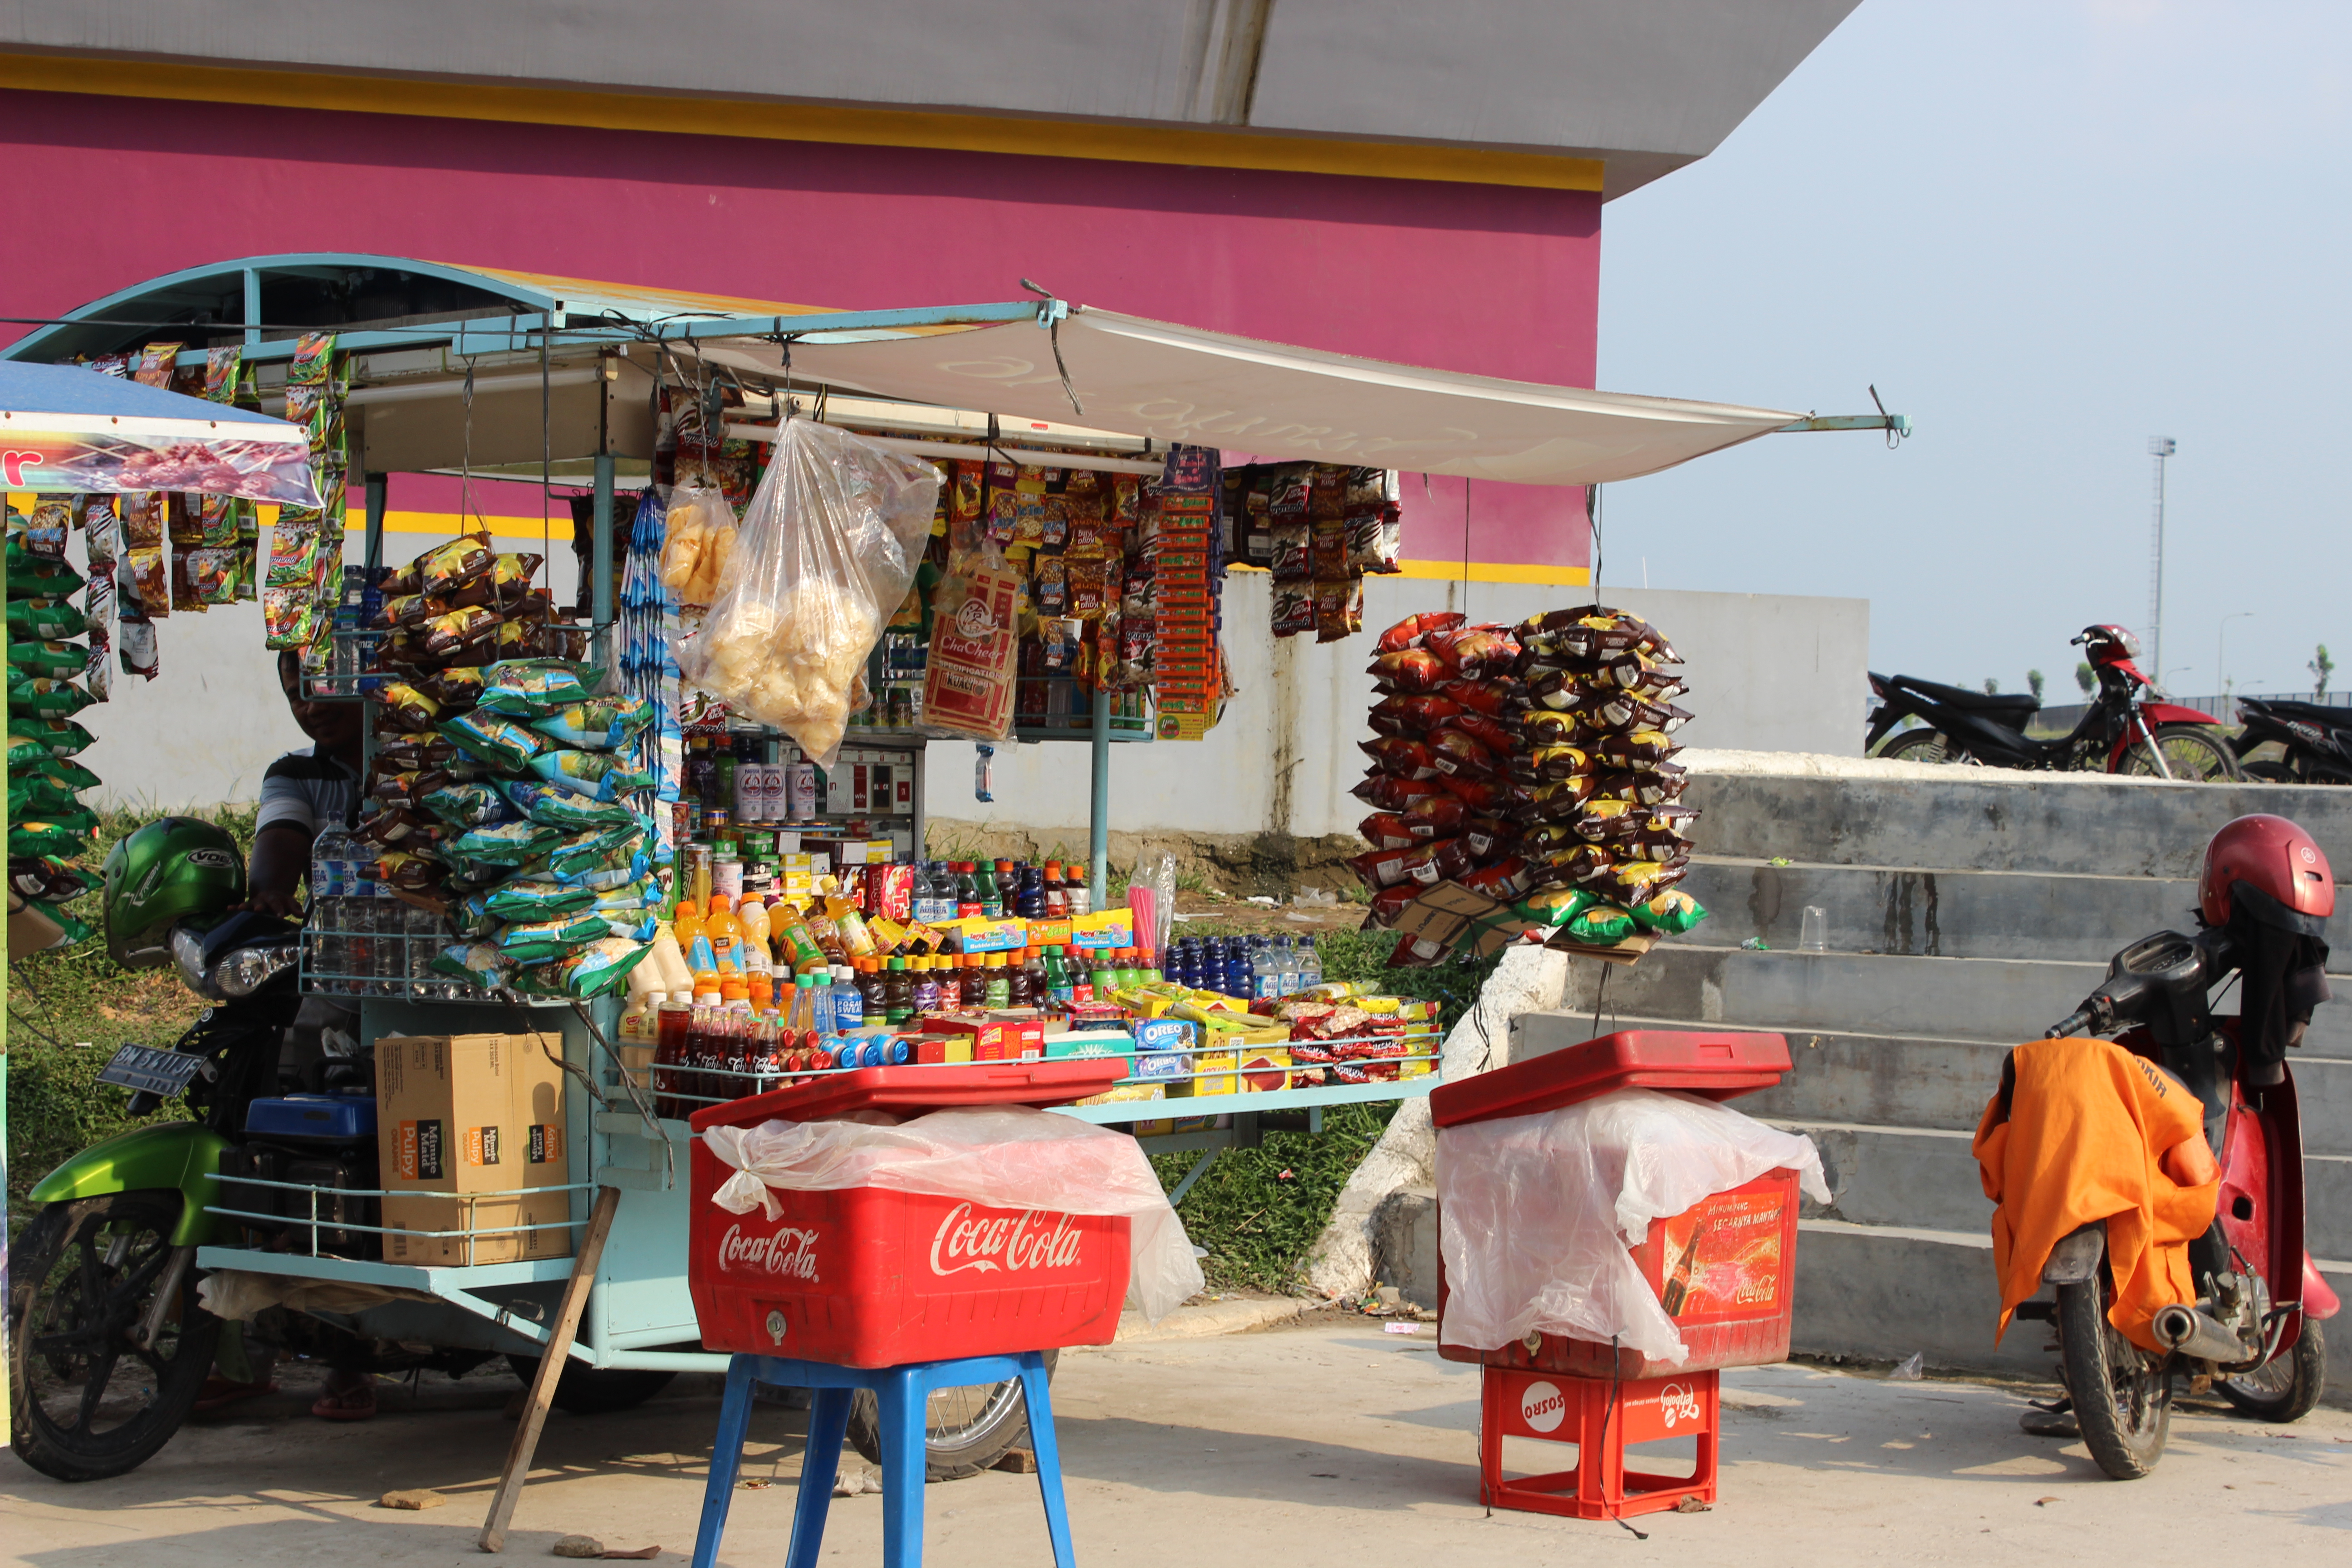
(932, 1049)
(1216, 1073)
(1264, 1067)
(461, 1115)
(1093, 1043)
(1121, 1093)
(495, 1223)
(1006, 1037)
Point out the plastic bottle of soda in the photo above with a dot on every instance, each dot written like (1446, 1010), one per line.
(999, 982)
(673, 1022)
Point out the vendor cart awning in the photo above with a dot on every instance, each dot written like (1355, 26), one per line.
(1172, 383)
(66, 428)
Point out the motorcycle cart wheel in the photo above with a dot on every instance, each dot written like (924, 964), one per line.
(2123, 1396)
(2284, 1388)
(84, 1402)
(2190, 752)
(595, 1391)
(966, 1430)
(1921, 745)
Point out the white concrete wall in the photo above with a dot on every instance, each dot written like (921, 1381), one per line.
(213, 717)
(1768, 673)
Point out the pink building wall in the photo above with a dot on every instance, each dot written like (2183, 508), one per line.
(1500, 280)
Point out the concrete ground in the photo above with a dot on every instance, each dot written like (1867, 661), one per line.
(1322, 1440)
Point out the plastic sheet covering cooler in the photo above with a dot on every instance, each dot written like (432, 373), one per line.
(1539, 1210)
(999, 1157)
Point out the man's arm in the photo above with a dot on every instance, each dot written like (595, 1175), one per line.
(281, 857)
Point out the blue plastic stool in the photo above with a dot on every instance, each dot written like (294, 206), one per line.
(903, 1393)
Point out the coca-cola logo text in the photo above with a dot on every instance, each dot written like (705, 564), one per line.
(1678, 1402)
(787, 1252)
(1007, 1243)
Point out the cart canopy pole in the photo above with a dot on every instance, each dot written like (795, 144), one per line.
(1098, 825)
(601, 557)
(379, 492)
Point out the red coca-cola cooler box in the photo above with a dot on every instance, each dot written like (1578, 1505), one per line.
(1724, 1269)
(868, 1277)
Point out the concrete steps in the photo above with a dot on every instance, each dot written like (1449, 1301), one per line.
(1967, 910)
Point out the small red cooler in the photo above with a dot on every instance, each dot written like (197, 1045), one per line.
(1724, 1269)
(867, 1277)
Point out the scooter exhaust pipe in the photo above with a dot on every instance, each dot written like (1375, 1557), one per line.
(2187, 1331)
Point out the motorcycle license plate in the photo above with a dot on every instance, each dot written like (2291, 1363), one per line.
(154, 1071)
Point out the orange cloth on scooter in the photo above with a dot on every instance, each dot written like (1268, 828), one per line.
(2087, 1129)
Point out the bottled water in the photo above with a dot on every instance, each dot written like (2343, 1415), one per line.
(1310, 967)
(1287, 958)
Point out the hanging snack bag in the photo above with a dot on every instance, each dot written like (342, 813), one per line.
(531, 900)
(1474, 653)
(557, 806)
(57, 737)
(1385, 790)
(1598, 924)
(1409, 671)
(463, 806)
(32, 576)
(598, 724)
(476, 963)
(1411, 717)
(596, 775)
(532, 688)
(46, 620)
(42, 698)
(504, 844)
(1406, 759)
(1412, 631)
(1385, 830)
(1673, 911)
(49, 838)
(501, 742)
(52, 660)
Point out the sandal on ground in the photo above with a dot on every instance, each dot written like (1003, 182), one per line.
(346, 1405)
(219, 1393)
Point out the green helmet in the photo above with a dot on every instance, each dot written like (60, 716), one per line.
(168, 870)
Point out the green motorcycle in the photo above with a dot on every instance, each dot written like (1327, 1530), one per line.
(108, 1345)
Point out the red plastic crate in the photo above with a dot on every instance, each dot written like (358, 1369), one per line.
(1601, 1417)
(1725, 1268)
(1712, 1065)
(868, 1277)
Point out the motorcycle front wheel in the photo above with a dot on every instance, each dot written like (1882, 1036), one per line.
(965, 1430)
(86, 1402)
(2122, 1395)
(1920, 745)
(2192, 753)
(2286, 1387)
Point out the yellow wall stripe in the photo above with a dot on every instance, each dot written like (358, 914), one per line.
(1496, 572)
(1124, 144)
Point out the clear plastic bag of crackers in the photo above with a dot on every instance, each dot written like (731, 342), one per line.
(824, 555)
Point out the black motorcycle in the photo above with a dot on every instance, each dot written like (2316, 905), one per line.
(2314, 741)
(2125, 730)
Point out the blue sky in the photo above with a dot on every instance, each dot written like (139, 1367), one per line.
(2047, 232)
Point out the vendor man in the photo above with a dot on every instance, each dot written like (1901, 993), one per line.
(302, 794)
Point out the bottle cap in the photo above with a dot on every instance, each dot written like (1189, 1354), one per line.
(896, 963)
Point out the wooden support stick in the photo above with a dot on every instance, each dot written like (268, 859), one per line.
(550, 1368)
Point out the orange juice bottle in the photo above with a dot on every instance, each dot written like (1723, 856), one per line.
(723, 929)
(688, 925)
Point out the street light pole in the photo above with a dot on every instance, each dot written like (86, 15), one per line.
(2160, 448)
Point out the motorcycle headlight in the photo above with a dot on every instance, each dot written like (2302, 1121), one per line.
(248, 969)
(188, 953)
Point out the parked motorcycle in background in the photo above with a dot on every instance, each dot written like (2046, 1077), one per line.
(2253, 1331)
(2125, 730)
(2314, 740)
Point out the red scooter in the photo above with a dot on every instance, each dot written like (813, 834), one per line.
(2253, 1331)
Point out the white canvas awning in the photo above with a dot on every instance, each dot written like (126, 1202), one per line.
(1171, 384)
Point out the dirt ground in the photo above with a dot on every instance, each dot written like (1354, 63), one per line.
(1325, 1441)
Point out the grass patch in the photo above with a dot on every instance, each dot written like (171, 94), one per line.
(1258, 1210)
(68, 1010)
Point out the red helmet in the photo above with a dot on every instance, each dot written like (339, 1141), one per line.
(2273, 857)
